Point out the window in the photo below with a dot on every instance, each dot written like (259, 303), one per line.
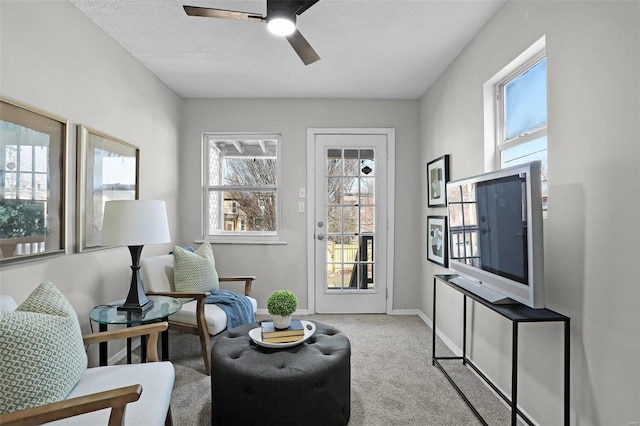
(241, 187)
(518, 113)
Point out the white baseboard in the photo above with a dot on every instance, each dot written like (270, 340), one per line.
(405, 312)
(297, 312)
(458, 352)
(122, 354)
(452, 346)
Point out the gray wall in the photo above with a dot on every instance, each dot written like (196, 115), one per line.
(56, 59)
(592, 244)
(285, 266)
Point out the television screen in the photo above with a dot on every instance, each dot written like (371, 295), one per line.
(495, 232)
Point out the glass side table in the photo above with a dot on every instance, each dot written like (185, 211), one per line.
(108, 314)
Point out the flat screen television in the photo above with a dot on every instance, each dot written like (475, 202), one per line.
(495, 234)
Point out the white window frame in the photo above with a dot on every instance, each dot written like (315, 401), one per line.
(494, 142)
(241, 237)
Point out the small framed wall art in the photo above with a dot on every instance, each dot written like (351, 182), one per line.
(437, 247)
(437, 177)
(108, 169)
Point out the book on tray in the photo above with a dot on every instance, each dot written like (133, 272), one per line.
(276, 335)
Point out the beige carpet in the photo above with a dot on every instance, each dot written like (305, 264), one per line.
(392, 379)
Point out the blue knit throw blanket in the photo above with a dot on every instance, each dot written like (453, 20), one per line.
(238, 308)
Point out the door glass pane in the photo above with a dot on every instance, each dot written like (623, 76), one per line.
(350, 220)
(367, 219)
(334, 190)
(351, 162)
(367, 191)
(350, 183)
(334, 219)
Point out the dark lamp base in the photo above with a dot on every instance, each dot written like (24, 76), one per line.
(136, 308)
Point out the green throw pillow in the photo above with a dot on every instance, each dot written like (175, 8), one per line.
(195, 271)
(42, 356)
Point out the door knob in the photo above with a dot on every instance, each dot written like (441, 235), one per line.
(320, 236)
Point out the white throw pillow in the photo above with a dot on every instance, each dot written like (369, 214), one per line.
(195, 271)
(43, 355)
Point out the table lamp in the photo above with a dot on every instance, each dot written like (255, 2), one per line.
(135, 223)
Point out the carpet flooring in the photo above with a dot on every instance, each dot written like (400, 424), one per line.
(392, 379)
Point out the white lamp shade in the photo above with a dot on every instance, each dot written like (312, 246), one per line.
(135, 223)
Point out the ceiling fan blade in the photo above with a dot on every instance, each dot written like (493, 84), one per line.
(303, 48)
(304, 5)
(208, 12)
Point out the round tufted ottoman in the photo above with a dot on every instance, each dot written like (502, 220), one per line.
(307, 384)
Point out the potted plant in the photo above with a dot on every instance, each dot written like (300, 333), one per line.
(281, 304)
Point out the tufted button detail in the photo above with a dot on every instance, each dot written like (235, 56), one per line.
(320, 385)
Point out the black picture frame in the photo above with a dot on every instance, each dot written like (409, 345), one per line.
(437, 178)
(438, 240)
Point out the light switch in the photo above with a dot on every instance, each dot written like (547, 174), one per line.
(301, 207)
(303, 192)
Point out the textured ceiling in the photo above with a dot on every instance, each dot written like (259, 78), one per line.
(382, 49)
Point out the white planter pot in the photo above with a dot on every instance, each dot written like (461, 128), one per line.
(281, 322)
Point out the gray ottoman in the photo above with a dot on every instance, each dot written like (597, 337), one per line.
(307, 384)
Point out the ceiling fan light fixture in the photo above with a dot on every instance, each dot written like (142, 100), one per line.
(281, 22)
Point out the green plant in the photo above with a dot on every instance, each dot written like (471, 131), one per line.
(282, 303)
(21, 218)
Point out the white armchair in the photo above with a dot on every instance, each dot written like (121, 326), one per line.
(195, 317)
(136, 394)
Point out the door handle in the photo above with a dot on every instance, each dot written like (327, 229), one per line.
(320, 237)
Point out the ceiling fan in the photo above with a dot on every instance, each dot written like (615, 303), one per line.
(280, 19)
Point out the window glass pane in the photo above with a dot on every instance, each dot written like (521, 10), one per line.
(256, 211)
(526, 152)
(42, 159)
(249, 171)
(455, 215)
(26, 158)
(454, 194)
(215, 165)
(41, 186)
(526, 101)
(469, 192)
(215, 202)
(470, 214)
(25, 186)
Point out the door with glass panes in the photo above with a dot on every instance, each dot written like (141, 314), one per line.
(350, 223)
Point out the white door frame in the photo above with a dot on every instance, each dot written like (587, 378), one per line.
(311, 205)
